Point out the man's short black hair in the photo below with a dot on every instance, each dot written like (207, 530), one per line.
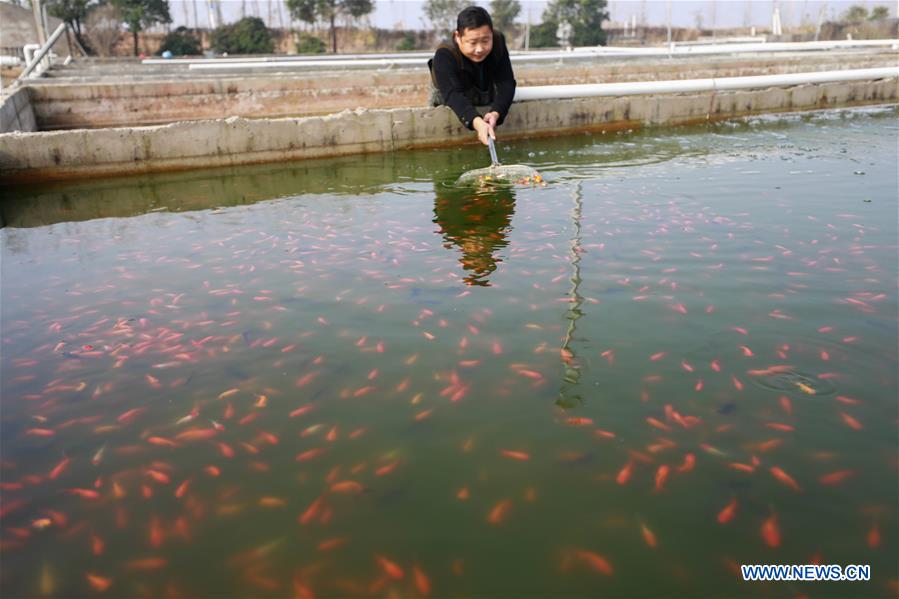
(472, 18)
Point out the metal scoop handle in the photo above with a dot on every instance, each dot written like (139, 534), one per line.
(492, 148)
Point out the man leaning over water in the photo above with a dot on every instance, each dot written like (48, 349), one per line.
(474, 70)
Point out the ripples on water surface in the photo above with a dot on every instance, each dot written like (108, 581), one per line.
(347, 378)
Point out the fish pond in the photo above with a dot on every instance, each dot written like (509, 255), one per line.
(351, 378)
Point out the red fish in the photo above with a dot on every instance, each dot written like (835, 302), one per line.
(148, 563)
(624, 474)
(59, 469)
(498, 513)
(160, 477)
(727, 514)
(84, 493)
(835, 478)
(515, 455)
(182, 488)
(780, 426)
(595, 561)
(658, 424)
(40, 432)
(386, 469)
(785, 478)
(873, 538)
(689, 463)
(196, 434)
(309, 454)
(851, 422)
(661, 477)
(98, 583)
(162, 441)
(422, 584)
(786, 404)
(300, 411)
(330, 544)
(770, 532)
(128, 416)
(648, 535)
(346, 486)
(311, 511)
(390, 568)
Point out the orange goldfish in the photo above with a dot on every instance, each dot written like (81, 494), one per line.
(498, 513)
(390, 568)
(595, 561)
(785, 478)
(661, 477)
(515, 455)
(98, 583)
(770, 532)
(727, 514)
(624, 474)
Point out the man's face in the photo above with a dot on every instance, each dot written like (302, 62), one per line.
(475, 44)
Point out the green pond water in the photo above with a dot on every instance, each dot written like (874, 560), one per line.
(348, 378)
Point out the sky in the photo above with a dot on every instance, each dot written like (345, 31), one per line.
(408, 14)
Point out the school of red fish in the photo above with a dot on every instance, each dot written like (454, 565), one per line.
(319, 406)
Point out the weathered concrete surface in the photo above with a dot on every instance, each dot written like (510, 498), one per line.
(59, 155)
(114, 96)
(17, 29)
(16, 113)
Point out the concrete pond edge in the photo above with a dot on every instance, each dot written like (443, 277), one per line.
(30, 157)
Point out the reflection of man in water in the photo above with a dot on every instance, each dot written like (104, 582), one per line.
(477, 222)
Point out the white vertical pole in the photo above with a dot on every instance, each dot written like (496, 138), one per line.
(669, 26)
(39, 22)
(527, 29)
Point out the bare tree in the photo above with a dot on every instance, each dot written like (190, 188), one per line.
(442, 14)
(103, 28)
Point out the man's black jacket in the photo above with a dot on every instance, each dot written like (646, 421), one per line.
(456, 77)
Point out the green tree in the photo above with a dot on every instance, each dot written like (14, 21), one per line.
(247, 36)
(409, 42)
(328, 11)
(73, 12)
(879, 13)
(544, 35)
(442, 14)
(855, 14)
(503, 13)
(140, 14)
(309, 44)
(181, 42)
(584, 16)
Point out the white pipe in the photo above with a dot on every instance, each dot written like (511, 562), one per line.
(28, 51)
(294, 58)
(558, 92)
(42, 52)
(385, 60)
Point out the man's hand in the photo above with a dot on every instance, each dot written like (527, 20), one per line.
(484, 129)
(492, 118)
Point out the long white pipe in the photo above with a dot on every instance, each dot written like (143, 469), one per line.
(383, 60)
(678, 50)
(42, 52)
(293, 58)
(558, 92)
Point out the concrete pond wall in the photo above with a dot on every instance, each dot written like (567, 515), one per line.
(17, 112)
(59, 155)
(78, 97)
